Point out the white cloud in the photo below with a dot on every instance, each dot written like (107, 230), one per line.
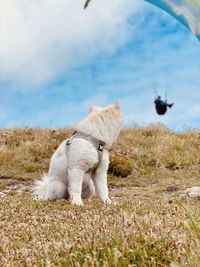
(42, 38)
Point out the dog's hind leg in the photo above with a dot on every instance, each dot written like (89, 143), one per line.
(88, 189)
(75, 182)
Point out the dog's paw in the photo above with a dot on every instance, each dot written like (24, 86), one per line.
(40, 197)
(108, 201)
(77, 202)
(35, 197)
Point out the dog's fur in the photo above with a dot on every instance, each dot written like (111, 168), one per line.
(68, 175)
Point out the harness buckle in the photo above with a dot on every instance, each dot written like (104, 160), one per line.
(75, 133)
(100, 148)
(68, 142)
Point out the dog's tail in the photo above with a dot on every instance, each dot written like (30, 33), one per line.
(49, 188)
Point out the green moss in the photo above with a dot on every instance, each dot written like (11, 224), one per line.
(120, 166)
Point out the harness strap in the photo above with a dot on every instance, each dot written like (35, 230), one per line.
(99, 145)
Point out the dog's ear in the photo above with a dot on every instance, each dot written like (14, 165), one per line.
(116, 105)
(94, 108)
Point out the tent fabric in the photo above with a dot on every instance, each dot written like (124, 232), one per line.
(186, 11)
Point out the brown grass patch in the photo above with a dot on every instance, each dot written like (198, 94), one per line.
(151, 224)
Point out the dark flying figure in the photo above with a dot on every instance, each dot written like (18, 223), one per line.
(86, 4)
(161, 106)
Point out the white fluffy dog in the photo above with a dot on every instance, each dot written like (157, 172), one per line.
(78, 167)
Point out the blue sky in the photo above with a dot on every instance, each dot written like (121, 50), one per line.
(57, 60)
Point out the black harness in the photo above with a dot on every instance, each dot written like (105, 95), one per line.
(161, 109)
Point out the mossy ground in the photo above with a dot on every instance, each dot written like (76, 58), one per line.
(151, 222)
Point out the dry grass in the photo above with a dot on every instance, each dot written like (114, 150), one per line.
(151, 224)
(25, 153)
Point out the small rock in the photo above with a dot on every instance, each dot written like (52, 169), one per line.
(193, 192)
(2, 194)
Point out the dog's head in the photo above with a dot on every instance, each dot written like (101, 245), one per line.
(113, 107)
(103, 123)
(109, 120)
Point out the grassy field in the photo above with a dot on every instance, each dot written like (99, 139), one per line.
(152, 221)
